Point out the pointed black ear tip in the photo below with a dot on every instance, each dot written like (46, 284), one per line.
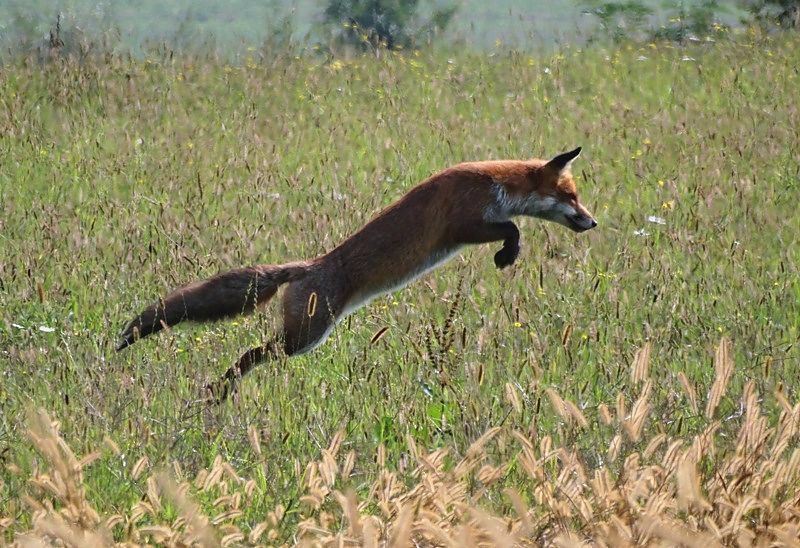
(572, 154)
(563, 160)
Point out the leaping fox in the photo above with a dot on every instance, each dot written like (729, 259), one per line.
(469, 203)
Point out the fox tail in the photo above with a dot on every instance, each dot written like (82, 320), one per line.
(228, 294)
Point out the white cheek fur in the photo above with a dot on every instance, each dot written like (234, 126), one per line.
(567, 210)
(533, 205)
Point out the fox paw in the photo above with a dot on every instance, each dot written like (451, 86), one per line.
(506, 256)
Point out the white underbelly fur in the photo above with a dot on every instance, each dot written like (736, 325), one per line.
(315, 343)
(361, 299)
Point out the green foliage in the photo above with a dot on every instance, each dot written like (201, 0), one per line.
(783, 12)
(76, 33)
(202, 27)
(385, 23)
(619, 20)
(683, 20)
(234, 26)
(690, 21)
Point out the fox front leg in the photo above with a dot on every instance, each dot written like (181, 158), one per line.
(494, 232)
(510, 250)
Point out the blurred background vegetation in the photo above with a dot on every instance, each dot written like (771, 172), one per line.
(229, 30)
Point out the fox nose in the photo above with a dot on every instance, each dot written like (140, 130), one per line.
(594, 223)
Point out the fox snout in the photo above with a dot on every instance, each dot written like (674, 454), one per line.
(573, 216)
(581, 222)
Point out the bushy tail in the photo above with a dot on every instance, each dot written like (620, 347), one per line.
(228, 294)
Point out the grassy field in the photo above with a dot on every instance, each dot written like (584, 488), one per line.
(590, 362)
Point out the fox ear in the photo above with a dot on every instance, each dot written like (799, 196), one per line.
(563, 160)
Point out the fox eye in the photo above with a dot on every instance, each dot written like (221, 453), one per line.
(571, 196)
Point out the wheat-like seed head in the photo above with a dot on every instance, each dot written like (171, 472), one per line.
(659, 490)
(723, 369)
(641, 364)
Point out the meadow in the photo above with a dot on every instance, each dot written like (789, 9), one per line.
(634, 384)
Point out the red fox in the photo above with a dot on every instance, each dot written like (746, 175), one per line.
(470, 203)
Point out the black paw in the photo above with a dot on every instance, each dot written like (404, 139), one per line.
(506, 256)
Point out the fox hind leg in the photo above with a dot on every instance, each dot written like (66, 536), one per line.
(299, 338)
(309, 315)
(227, 384)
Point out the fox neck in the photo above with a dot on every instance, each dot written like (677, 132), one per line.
(507, 205)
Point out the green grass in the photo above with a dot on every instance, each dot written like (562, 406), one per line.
(122, 180)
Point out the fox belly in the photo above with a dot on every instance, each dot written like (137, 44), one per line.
(363, 297)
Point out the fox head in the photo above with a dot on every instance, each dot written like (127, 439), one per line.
(547, 191)
(559, 195)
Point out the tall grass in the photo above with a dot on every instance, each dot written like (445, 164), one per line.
(692, 491)
(121, 179)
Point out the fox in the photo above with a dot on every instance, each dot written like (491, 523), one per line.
(466, 204)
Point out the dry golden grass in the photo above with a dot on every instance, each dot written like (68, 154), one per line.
(700, 491)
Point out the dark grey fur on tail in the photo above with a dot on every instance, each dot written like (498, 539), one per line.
(227, 294)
